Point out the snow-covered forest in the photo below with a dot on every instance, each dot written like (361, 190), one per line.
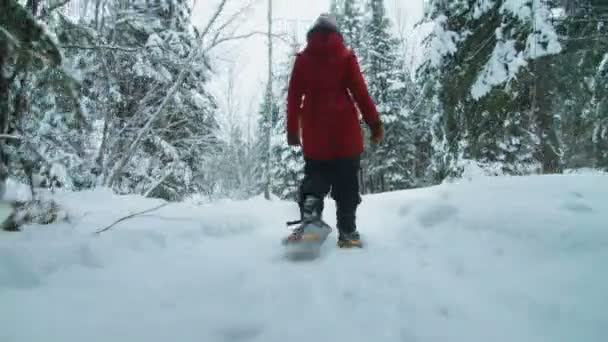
(144, 192)
(117, 96)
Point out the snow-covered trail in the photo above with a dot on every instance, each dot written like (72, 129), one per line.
(499, 259)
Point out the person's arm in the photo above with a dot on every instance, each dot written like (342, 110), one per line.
(295, 92)
(358, 88)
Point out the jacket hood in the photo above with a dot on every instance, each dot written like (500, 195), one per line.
(325, 42)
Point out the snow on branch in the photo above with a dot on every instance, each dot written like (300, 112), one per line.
(10, 137)
(194, 54)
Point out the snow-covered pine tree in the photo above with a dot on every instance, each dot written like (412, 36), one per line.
(261, 144)
(599, 115)
(352, 24)
(170, 161)
(388, 166)
(418, 125)
(440, 43)
(39, 101)
(580, 81)
(484, 62)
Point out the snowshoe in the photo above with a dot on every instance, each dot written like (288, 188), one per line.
(305, 242)
(315, 231)
(349, 240)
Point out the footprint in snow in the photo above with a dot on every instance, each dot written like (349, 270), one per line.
(437, 214)
(576, 194)
(576, 203)
(404, 210)
(577, 207)
(240, 333)
(444, 311)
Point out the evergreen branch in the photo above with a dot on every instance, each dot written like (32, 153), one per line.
(101, 47)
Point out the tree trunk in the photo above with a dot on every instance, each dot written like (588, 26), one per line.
(549, 150)
(270, 105)
(4, 88)
(4, 108)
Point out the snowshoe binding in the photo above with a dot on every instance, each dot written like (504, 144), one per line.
(305, 241)
(308, 231)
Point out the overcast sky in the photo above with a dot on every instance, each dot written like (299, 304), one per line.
(249, 57)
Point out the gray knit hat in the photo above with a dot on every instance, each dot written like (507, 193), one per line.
(326, 20)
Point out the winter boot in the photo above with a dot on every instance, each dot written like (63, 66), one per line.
(311, 227)
(347, 226)
(349, 239)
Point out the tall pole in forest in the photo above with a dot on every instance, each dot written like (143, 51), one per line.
(269, 101)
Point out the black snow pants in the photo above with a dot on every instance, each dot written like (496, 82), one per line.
(340, 176)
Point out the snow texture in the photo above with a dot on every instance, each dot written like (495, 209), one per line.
(488, 259)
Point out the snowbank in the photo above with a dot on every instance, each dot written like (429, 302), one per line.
(492, 259)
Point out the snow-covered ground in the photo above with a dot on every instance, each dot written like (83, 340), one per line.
(497, 259)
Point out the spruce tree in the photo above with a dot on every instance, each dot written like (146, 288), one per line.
(580, 76)
(485, 61)
(351, 24)
(261, 145)
(388, 166)
(288, 163)
(39, 100)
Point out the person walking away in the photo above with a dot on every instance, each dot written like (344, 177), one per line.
(325, 89)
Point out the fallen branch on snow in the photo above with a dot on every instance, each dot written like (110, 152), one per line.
(131, 216)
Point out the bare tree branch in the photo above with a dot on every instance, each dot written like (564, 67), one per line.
(168, 97)
(50, 10)
(135, 117)
(10, 137)
(158, 183)
(213, 19)
(217, 42)
(232, 19)
(131, 216)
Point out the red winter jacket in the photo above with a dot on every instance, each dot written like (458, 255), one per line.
(319, 101)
